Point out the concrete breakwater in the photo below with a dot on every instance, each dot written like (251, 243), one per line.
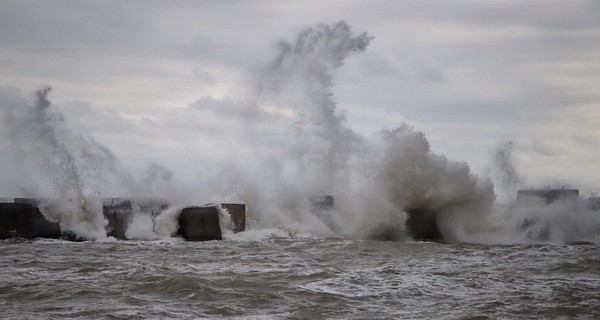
(25, 221)
(422, 224)
(548, 196)
(22, 217)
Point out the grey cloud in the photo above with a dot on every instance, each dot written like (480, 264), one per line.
(553, 14)
(546, 148)
(55, 27)
(204, 76)
(402, 68)
(228, 109)
(586, 140)
(11, 97)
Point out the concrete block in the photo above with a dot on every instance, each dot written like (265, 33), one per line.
(43, 227)
(237, 211)
(8, 221)
(200, 224)
(422, 224)
(17, 220)
(26, 221)
(31, 201)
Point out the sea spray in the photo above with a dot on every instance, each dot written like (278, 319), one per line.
(166, 223)
(317, 146)
(414, 177)
(308, 151)
(373, 181)
(535, 221)
(71, 172)
(510, 181)
(82, 216)
(141, 226)
(40, 137)
(318, 153)
(301, 77)
(225, 221)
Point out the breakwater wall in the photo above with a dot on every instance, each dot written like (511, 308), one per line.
(547, 195)
(21, 217)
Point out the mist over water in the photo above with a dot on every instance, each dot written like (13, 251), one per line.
(301, 148)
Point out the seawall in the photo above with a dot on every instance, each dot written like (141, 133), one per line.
(21, 217)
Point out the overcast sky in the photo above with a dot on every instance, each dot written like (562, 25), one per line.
(471, 75)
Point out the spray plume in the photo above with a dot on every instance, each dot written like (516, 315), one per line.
(301, 77)
(373, 182)
(289, 172)
(510, 180)
(72, 170)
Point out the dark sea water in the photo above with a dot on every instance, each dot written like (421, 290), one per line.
(306, 278)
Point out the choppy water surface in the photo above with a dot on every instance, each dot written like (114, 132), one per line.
(297, 278)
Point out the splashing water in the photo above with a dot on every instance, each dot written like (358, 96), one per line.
(309, 151)
(510, 180)
(65, 166)
(373, 182)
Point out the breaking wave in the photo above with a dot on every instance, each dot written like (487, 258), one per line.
(310, 173)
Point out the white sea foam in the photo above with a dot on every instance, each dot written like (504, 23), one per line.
(141, 227)
(259, 234)
(82, 216)
(166, 223)
(538, 222)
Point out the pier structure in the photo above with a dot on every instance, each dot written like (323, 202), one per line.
(547, 195)
(21, 217)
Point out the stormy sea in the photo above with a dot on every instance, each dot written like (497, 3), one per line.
(297, 278)
(496, 253)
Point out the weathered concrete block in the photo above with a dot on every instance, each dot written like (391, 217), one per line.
(237, 211)
(44, 228)
(31, 201)
(200, 224)
(17, 220)
(422, 224)
(26, 221)
(8, 221)
(151, 206)
(25, 226)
